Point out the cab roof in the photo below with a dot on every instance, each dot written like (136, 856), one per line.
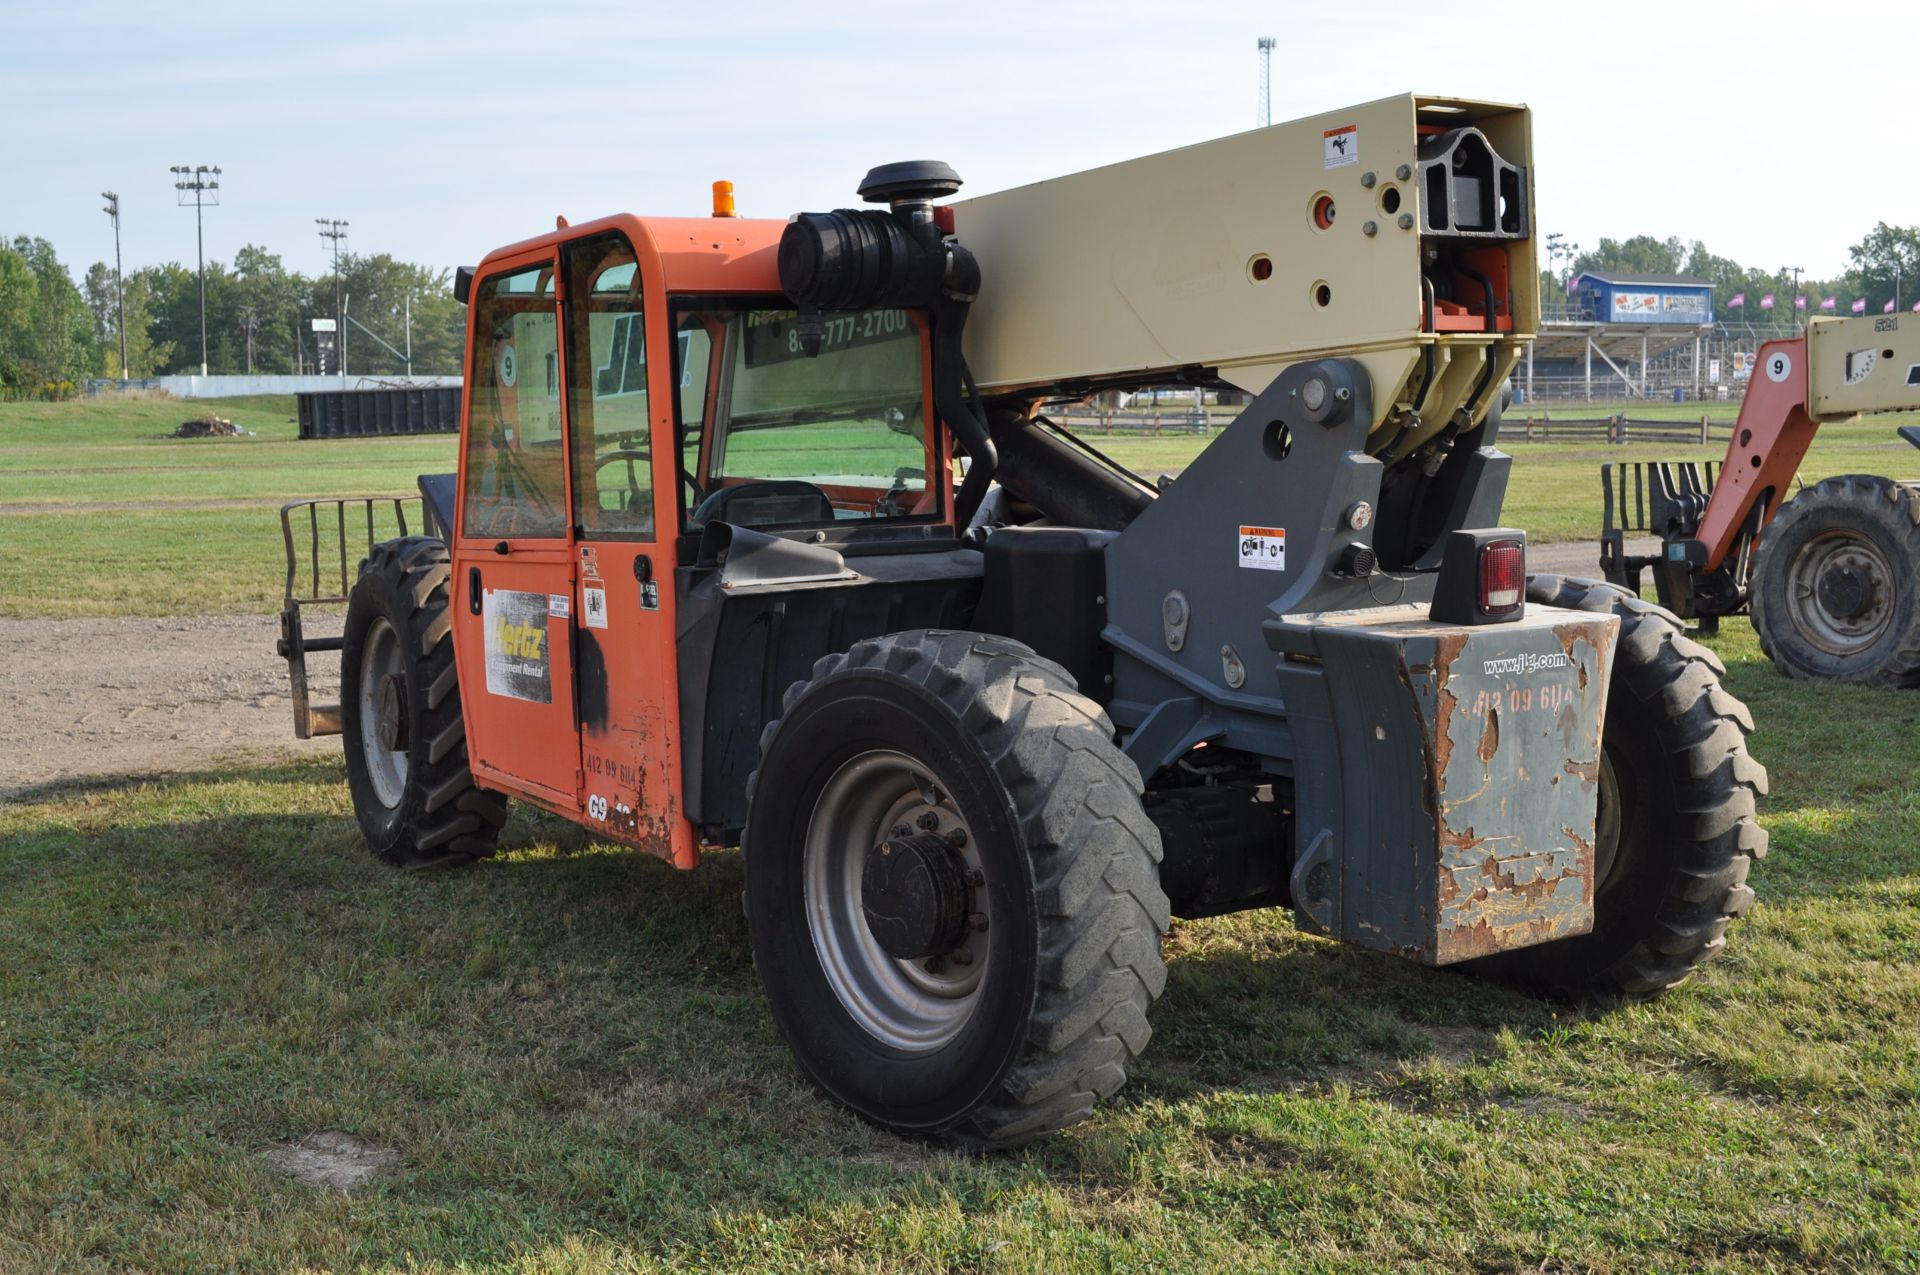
(686, 254)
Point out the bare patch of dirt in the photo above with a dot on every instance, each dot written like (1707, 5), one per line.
(94, 698)
(338, 1161)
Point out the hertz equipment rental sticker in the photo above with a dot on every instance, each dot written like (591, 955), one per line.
(1341, 146)
(1264, 548)
(516, 645)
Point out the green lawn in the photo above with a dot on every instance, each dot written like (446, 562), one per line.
(567, 1048)
(165, 526)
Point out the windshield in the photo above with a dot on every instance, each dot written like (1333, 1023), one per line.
(774, 438)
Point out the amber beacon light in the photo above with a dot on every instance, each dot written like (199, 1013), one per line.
(723, 200)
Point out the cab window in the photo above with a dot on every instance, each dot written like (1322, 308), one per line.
(516, 474)
(774, 438)
(607, 390)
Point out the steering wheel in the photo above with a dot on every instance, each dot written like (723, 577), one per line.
(600, 462)
(692, 485)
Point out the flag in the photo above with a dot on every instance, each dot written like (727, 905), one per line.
(1888, 307)
(1799, 303)
(1859, 305)
(1766, 302)
(1739, 299)
(1829, 302)
(1916, 307)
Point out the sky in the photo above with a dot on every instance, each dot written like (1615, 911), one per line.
(1777, 133)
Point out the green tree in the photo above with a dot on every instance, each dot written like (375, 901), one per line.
(264, 295)
(1885, 252)
(1642, 254)
(380, 293)
(47, 329)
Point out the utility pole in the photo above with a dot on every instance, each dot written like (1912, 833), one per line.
(199, 179)
(249, 325)
(1794, 272)
(1266, 80)
(119, 290)
(334, 229)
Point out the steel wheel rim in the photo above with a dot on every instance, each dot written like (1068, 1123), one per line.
(1840, 551)
(382, 673)
(912, 1006)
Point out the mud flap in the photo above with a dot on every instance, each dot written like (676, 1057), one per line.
(1448, 778)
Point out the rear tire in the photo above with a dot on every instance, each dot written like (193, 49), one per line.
(921, 733)
(1836, 583)
(1677, 830)
(406, 744)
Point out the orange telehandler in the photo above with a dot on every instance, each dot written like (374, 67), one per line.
(762, 535)
(1831, 576)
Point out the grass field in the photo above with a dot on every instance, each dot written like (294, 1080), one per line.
(101, 514)
(567, 1048)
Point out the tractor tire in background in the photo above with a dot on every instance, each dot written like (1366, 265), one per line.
(1836, 583)
(953, 889)
(1676, 830)
(406, 744)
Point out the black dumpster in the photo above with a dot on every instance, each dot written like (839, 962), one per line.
(380, 413)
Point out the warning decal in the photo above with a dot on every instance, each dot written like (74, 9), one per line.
(1341, 146)
(1264, 548)
(593, 606)
(516, 645)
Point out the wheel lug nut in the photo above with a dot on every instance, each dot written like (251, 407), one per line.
(901, 830)
(978, 920)
(930, 820)
(976, 877)
(963, 957)
(936, 964)
(956, 837)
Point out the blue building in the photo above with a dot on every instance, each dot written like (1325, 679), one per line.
(1642, 298)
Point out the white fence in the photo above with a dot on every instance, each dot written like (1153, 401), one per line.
(236, 386)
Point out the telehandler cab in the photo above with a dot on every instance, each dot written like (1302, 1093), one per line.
(761, 535)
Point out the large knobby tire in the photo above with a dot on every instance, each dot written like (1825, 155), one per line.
(1017, 1028)
(1836, 583)
(405, 742)
(1676, 827)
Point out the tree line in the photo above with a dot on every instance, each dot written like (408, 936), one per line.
(56, 333)
(1888, 256)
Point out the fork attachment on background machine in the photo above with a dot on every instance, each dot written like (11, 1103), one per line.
(1667, 499)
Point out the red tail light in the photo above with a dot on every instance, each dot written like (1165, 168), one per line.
(1503, 576)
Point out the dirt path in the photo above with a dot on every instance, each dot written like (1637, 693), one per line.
(88, 698)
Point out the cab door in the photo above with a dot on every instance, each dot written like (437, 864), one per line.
(624, 491)
(513, 564)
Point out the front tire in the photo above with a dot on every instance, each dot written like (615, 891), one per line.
(405, 741)
(1676, 829)
(1004, 989)
(1836, 583)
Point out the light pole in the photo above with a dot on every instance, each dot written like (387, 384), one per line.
(333, 228)
(1795, 272)
(1266, 80)
(119, 291)
(1559, 249)
(199, 178)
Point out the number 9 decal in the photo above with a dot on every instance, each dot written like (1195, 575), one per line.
(1779, 367)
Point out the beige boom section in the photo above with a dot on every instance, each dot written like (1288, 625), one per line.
(1299, 241)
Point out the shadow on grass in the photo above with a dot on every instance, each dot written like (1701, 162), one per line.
(566, 1040)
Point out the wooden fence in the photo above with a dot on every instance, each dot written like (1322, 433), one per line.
(1548, 428)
